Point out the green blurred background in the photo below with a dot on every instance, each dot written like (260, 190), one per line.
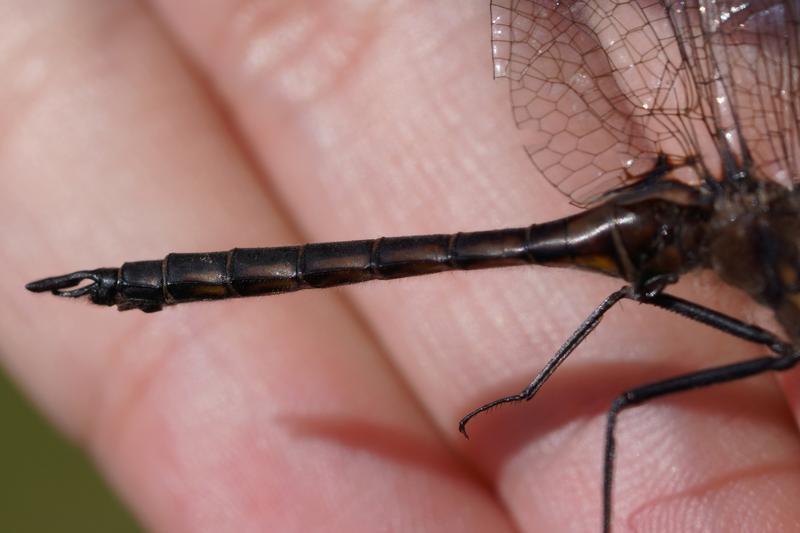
(47, 484)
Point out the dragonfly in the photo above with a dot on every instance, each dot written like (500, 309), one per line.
(673, 124)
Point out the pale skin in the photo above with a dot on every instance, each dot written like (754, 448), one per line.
(129, 130)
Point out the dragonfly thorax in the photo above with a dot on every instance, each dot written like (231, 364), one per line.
(754, 245)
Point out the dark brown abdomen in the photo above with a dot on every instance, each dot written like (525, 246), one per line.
(625, 241)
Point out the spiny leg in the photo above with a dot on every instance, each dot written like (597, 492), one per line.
(567, 348)
(674, 304)
(719, 321)
(691, 310)
(694, 380)
(786, 358)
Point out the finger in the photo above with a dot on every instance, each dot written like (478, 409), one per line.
(417, 159)
(413, 137)
(219, 417)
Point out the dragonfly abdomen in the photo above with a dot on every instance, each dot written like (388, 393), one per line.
(631, 241)
(260, 271)
(263, 271)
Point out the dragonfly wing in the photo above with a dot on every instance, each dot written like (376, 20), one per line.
(744, 57)
(604, 90)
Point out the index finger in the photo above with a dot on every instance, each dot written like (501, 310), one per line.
(217, 417)
(423, 142)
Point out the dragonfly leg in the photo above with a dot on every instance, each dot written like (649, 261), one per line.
(719, 321)
(786, 357)
(567, 348)
(685, 382)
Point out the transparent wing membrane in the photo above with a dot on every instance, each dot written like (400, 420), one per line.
(601, 89)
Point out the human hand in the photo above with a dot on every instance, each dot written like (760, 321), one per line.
(130, 133)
